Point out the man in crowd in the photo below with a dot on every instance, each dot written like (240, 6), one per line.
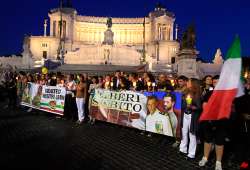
(182, 84)
(164, 84)
(182, 88)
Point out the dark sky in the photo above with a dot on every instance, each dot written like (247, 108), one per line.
(216, 21)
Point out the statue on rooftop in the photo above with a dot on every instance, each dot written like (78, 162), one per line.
(188, 38)
(109, 22)
(218, 59)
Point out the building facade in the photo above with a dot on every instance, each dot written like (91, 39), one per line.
(151, 37)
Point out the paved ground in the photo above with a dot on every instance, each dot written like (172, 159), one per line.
(42, 141)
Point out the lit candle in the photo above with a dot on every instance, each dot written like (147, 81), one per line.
(106, 85)
(153, 85)
(149, 84)
(134, 84)
(111, 84)
(246, 74)
(172, 82)
(189, 100)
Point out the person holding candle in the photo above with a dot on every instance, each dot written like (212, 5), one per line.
(116, 80)
(135, 84)
(164, 84)
(189, 118)
(107, 82)
(148, 78)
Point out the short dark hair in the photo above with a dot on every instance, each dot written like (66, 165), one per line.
(216, 77)
(134, 75)
(172, 96)
(182, 77)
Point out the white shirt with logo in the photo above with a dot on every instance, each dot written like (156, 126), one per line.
(158, 123)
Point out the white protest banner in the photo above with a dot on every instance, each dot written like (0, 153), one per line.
(52, 99)
(126, 108)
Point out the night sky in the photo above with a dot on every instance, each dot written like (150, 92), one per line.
(217, 21)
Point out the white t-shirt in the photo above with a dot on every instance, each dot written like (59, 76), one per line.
(158, 123)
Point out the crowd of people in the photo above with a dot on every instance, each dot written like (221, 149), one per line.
(211, 133)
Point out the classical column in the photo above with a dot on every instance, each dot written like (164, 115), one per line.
(91, 36)
(129, 37)
(82, 36)
(56, 28)
(122, 37)
(78, 35)
(45, 28)
(171, 32)
(168, 33)
(159, 32)
(88, 35)
(176, 32)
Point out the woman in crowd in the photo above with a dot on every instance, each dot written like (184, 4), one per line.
(81, 94)
(207, 85)
(69, 108)
(107, 82)
(30, 78)
(148, 82)
(100, 81)
(124, 84)
(189, 119)
(94, 85)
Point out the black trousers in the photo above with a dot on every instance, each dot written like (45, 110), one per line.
(244, 140)
(12, 98)
(70, 109)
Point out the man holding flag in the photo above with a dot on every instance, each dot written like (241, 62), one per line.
(218, 108)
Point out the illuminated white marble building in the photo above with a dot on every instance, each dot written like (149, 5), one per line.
(84, 36)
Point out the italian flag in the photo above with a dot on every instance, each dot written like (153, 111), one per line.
(228, 87)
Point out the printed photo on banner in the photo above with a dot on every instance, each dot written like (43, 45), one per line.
(52, 99)
(29, 97)
(164, 111)
(127, 108)
(46, 98)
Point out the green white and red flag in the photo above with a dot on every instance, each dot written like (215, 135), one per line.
(228, 87)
